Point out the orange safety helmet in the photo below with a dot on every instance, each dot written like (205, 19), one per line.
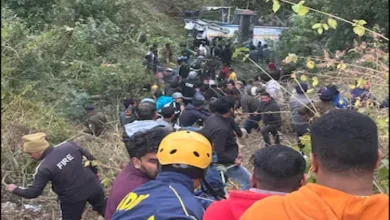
(185, 147)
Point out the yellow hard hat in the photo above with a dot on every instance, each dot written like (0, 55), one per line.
(154, 87)
(185, 147)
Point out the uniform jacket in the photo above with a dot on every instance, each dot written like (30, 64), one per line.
(341, 102)
(188, 87)
(127, 180)
(63, 167)
(170, 196)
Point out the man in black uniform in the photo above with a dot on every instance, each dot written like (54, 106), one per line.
(74, 183)
(188, 87)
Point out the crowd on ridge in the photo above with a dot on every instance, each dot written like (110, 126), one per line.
(184, 145)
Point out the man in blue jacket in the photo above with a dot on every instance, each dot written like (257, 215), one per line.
(183, 158)
(193, 112)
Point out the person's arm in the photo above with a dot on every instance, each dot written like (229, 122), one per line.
(219, 146)
(85, 152)
(40, 180)
(89, 157)
(245, 105)
(277, 116)
(200, 115)
(236, 128)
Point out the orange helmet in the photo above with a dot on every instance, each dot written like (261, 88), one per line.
(185, 147)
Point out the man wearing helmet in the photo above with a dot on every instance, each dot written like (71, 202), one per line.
(183, 157)
(189, 85)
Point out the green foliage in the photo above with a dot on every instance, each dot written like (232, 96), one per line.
(62, 54)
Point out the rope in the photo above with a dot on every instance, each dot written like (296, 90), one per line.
(266, 73)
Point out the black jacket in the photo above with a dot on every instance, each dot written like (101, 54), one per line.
(272, 118)
(63, 167)
(220, 132)
(188, 87)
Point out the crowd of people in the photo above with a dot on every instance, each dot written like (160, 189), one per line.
(184, 144)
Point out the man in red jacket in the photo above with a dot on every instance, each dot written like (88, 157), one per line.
(142, 148)
(278, 170)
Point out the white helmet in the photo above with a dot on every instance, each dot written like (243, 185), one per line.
(192, 75)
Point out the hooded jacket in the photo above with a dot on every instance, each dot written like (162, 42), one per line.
(126, 181)
(235, 206)
(314, 201)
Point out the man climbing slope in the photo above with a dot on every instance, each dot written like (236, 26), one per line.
(63, 167)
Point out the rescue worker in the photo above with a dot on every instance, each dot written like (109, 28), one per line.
(278, 170)
(172, 88)
(62, 165)
(167, 54)
(220, 130)
(147, 115)
(177, 104)
(232, 75)
(296, 102)
(339, 101)
(142, 167)
(168, 114)
(362, 93)
(188, 87)
(183, 158)
(161, 99)
(184, 67)
(128, 115)
(320, 107)
(271, 118)
(193, 112)
(96, 123)
(249, 104)
(344, 157)
(273, 87)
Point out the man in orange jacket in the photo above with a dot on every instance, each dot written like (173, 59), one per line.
(344, 156)
(278, 170)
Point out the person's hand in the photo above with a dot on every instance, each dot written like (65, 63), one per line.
(11, 187)
(238, 161)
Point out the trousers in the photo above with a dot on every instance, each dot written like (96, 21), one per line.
(74, 211)
(273, 129)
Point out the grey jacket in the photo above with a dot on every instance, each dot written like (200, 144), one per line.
(295, 104)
